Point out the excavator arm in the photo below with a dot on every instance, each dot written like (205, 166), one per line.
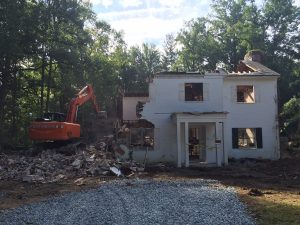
(86, 94)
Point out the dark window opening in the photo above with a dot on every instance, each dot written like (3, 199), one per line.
(142, 137)
(136, 134)
(193, 91)
(247, 138)
(245, 93)
(139, 108)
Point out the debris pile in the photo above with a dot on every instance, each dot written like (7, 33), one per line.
(52, 166)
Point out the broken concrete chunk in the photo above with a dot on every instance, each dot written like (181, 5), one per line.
(10, 161)
(125, 149)
(77, 163)
(79, 181)
(32, 178)
(115, 170)
(51, 166)
(60, 176)
(118, 151)
(93, 171)
(140, 169)
(103, 164)
(100, 146)
(91, 158)
(105, 173)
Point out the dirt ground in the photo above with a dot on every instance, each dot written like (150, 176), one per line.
(257, 182)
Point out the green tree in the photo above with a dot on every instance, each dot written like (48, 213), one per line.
(236, 26)
(144, 61)
(169, 56)
(281, 20)
(291, 115)
(200, 51)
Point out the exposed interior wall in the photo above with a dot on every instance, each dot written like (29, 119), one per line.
(129, 107)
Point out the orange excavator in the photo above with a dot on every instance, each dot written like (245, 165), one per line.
(57, 126)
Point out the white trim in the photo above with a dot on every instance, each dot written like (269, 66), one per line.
(186, 143)
(178, 145)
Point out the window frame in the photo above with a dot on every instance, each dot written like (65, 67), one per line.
(202, 92)
(257, 135)
(142, 133)
(244, 86)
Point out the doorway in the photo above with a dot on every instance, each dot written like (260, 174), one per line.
(197, 143)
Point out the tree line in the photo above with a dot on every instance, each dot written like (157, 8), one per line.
(49, 49)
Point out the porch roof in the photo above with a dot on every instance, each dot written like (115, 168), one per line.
(198, 116)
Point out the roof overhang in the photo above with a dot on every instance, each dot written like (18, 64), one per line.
(200, 117)
(250, 75)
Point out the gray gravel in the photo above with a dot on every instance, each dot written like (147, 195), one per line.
(137, 202)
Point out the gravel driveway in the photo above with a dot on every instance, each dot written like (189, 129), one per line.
(137, 202)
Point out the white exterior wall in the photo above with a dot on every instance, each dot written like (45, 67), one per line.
(261, 114)
(166, 96)
(129, 107)
(164, 141)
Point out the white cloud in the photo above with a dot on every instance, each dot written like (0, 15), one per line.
(138, 31)
(151, 24)
(297, 3)
(105, 3)
(171, 3)
(131, 3)
(137, 13)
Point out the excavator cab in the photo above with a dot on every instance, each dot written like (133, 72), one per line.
(55, 116)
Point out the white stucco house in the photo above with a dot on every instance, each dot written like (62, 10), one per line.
(205, 119)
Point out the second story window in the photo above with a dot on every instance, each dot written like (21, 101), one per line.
(245, 94)
(193, 91)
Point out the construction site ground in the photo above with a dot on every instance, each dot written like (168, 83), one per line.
(270, 189)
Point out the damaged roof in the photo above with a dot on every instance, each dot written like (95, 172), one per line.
(249, 67)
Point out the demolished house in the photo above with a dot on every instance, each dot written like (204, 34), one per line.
(205, 119)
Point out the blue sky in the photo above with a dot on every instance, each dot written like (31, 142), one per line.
(150, 20)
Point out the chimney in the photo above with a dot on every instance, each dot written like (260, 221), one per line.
(254, 55)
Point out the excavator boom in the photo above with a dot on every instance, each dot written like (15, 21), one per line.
(86, 94)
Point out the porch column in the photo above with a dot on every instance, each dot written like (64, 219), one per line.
(186, 143)
(220, 144)
(178, 145)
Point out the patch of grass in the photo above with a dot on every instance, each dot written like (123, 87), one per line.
(274, 209)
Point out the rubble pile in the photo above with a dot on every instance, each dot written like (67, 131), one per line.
(52, 166)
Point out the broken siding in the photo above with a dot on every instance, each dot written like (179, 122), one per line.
(129, 107)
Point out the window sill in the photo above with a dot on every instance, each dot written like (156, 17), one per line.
(246, 103)
(246, 149)
(193, 101)
(141, 148)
